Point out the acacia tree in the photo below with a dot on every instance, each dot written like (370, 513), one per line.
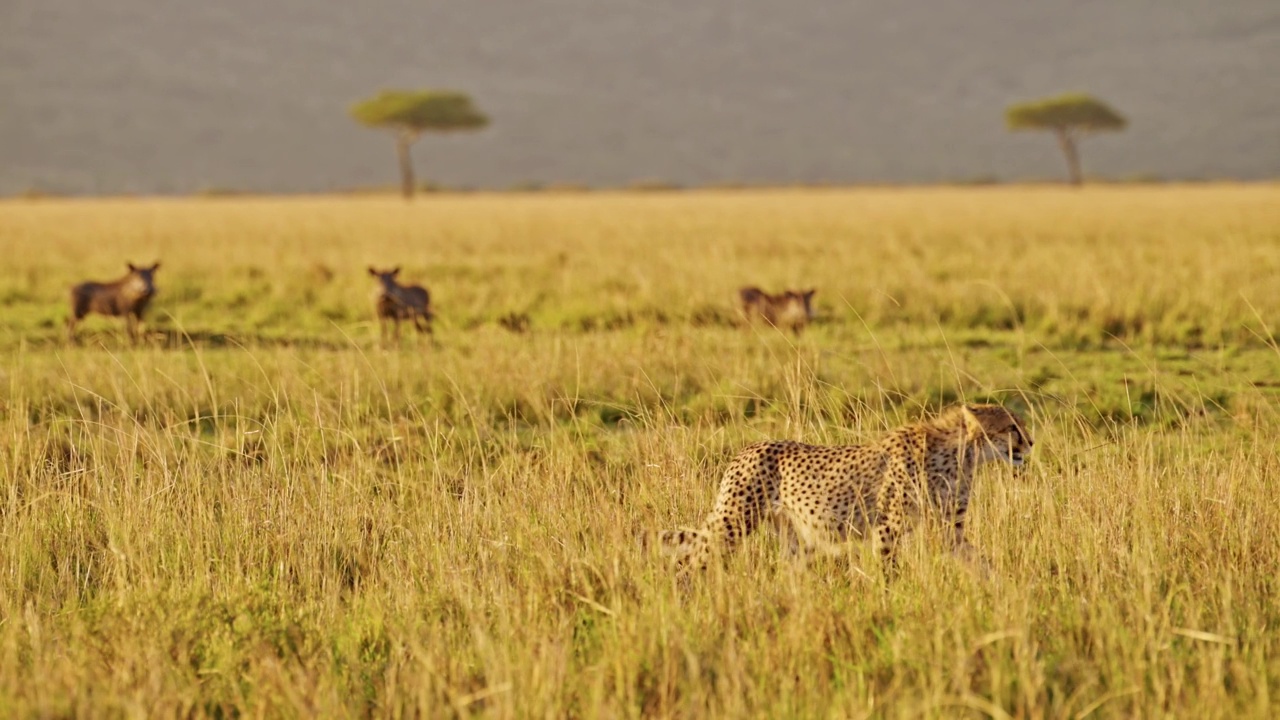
(409, 113)
(1068, 117)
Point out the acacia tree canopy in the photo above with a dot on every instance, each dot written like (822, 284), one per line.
(409, 113)
(420, 111)
(1068, 116)
(1074, 111)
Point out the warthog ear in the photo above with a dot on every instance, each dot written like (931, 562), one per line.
(131, 267)
(372, 271)
(810, 292)
(156, 266)
(395, 271)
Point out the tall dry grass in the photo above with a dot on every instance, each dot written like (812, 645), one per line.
(261, 512)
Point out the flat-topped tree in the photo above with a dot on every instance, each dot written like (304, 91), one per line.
(1069, 117)
(409, 113)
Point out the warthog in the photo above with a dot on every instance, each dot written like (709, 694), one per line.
(398, 302)
(127, 296)
(791, 308)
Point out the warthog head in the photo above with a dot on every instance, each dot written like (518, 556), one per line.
(797, 305)
(386, 279)
(141, 281)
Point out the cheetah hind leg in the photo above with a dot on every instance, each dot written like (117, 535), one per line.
(788, 536)
(802, 542)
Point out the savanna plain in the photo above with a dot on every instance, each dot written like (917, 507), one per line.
(261, 510)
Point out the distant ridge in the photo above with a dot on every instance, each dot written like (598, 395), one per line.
(135, 96)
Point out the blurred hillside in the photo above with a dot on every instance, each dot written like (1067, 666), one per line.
(134, 96)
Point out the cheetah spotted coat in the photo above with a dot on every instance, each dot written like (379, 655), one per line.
(820, 496)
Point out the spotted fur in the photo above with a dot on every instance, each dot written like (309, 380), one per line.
(821, 496)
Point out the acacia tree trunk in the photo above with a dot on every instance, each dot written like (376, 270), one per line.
(404, 141)
(1067, 142)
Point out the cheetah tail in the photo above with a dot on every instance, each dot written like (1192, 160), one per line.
(681, 544)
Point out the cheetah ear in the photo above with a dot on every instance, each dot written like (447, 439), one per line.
(987, 420)
(974, 426)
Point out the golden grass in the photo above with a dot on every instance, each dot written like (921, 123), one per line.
(262, 512)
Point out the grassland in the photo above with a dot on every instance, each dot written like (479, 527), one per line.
(260, 511)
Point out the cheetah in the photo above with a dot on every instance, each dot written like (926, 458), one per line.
(820, 496)
(790, 308)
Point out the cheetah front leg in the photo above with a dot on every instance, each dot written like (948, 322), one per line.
(889, 528)
(962, 548)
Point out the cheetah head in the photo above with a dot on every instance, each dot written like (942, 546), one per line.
(998, 433)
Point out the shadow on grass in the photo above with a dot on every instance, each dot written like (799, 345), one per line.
(173, 339)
